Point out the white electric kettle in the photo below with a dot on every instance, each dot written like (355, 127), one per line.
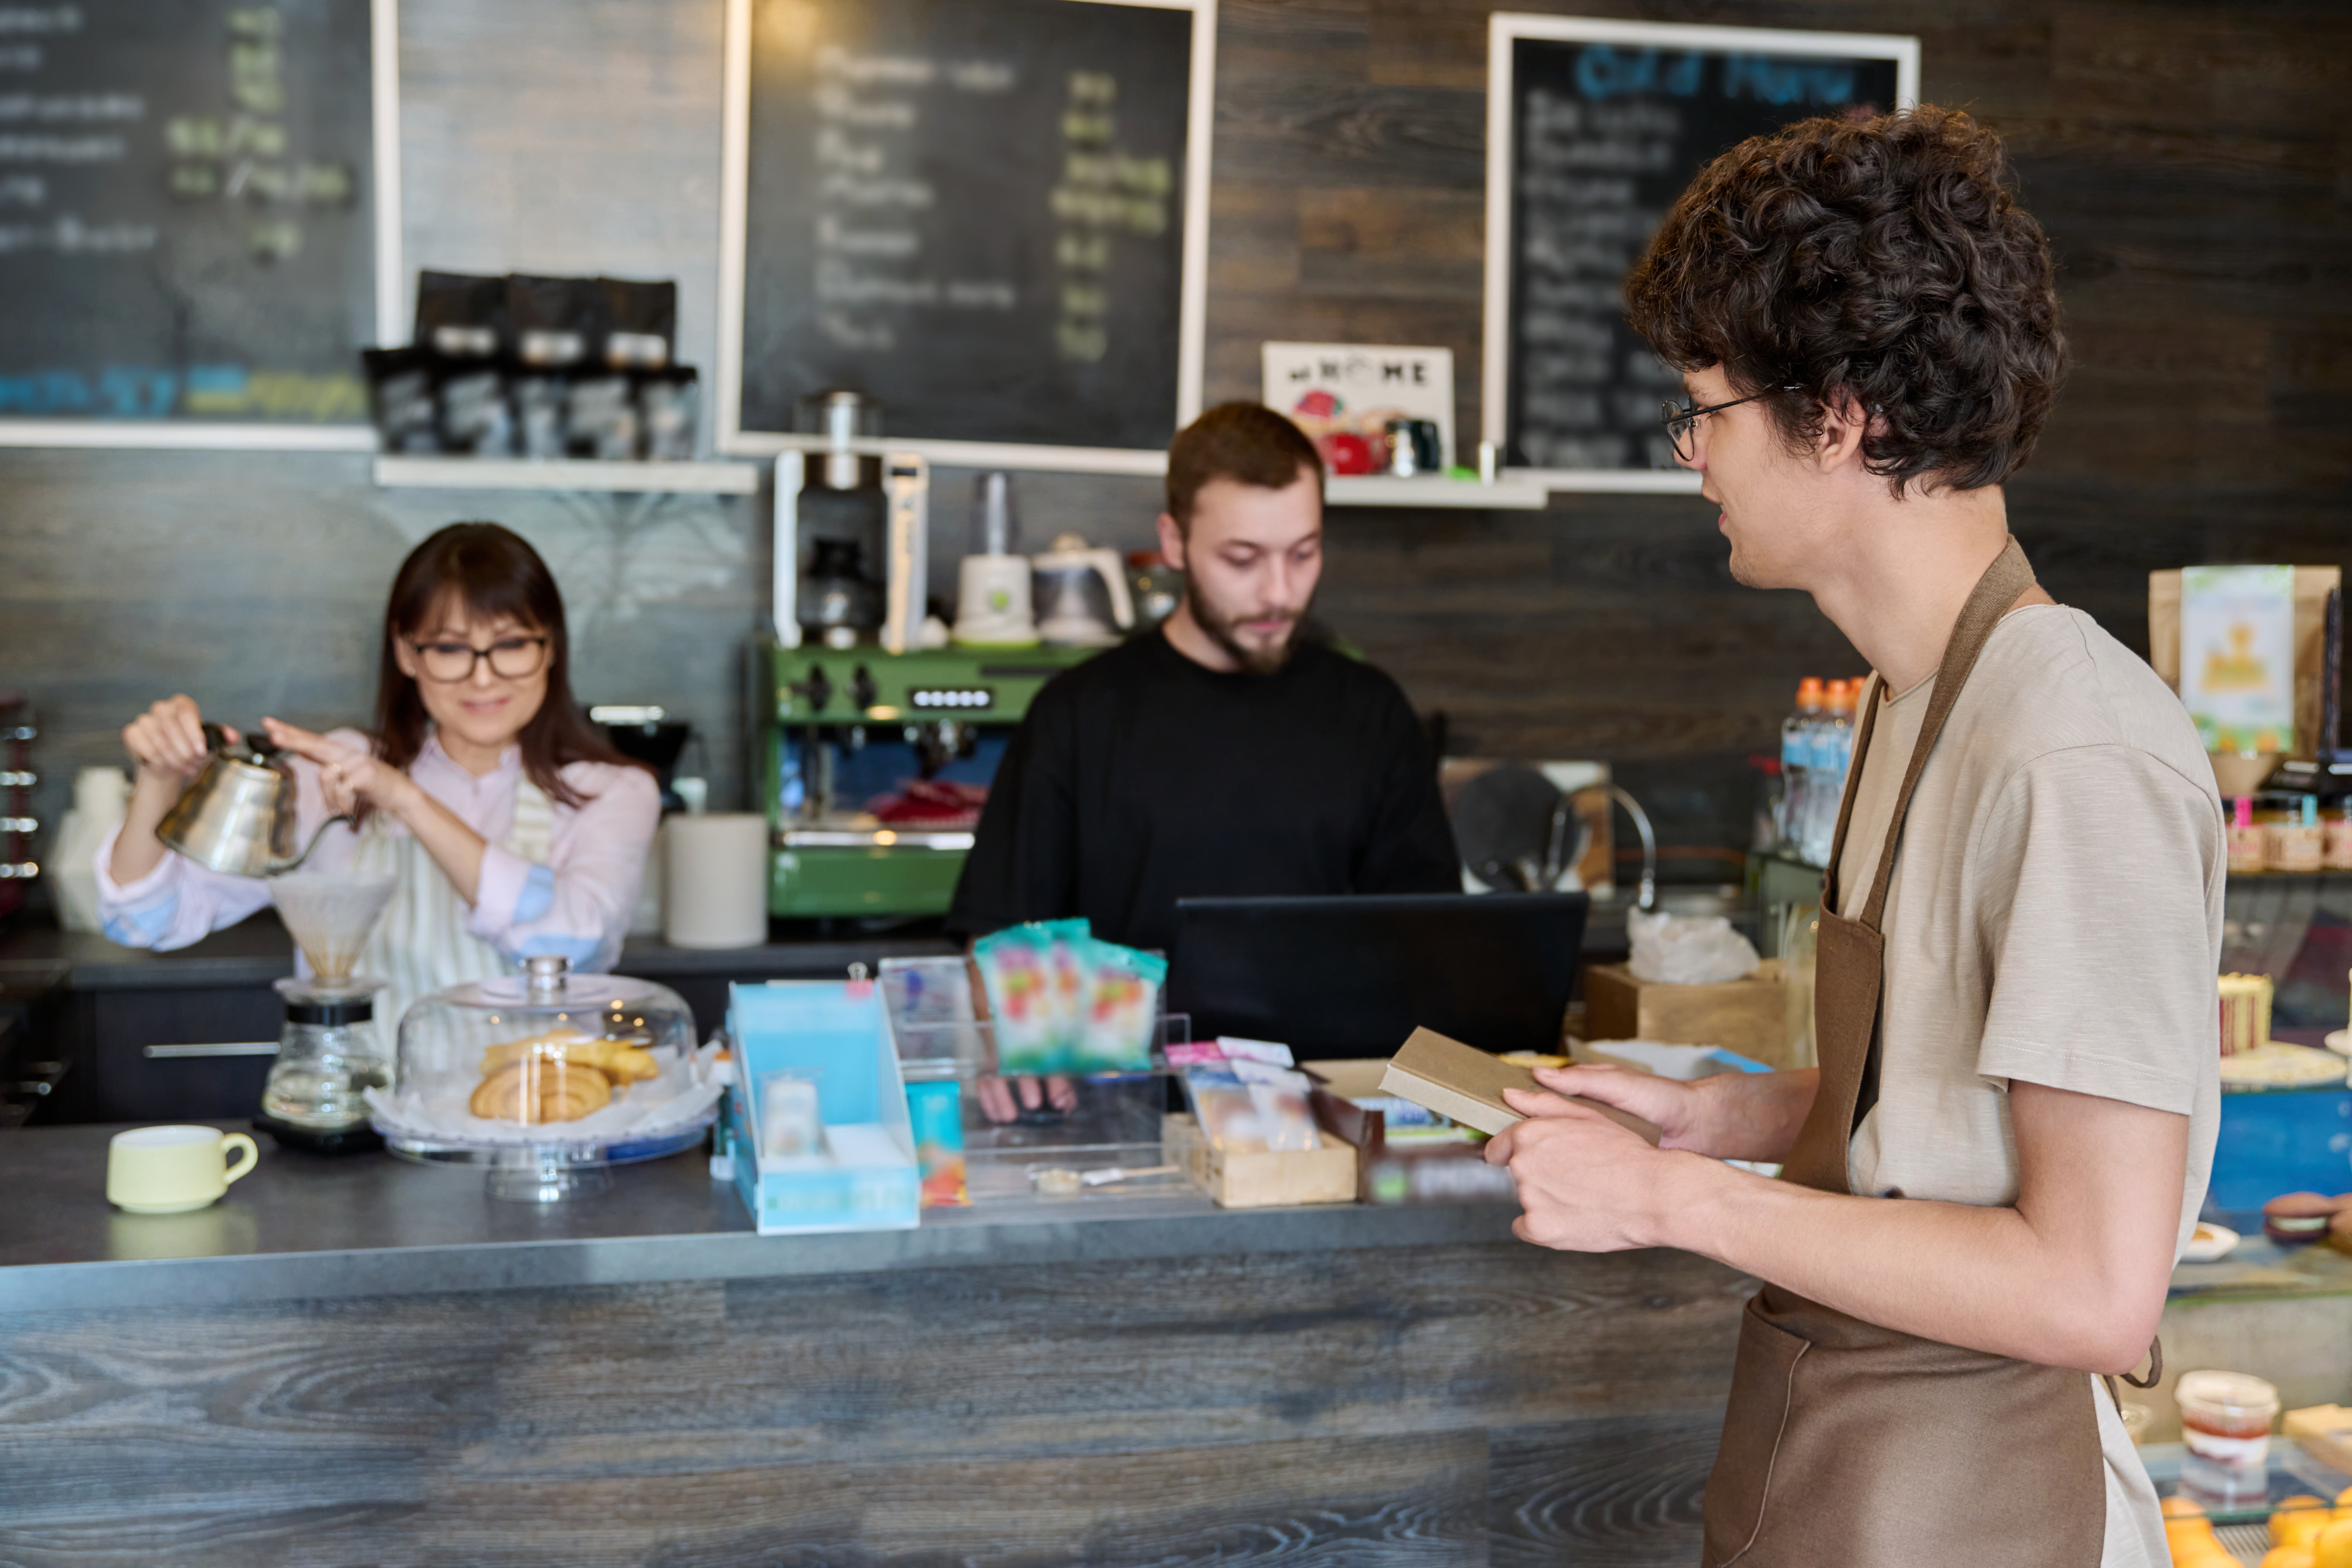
(1071, 609)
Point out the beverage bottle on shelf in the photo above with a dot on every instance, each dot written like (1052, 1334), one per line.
(1796, 757)
(1832, 754)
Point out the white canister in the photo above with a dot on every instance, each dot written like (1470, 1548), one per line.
(102, 797)
(716, 879)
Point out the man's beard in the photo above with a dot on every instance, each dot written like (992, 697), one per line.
(1220, 630)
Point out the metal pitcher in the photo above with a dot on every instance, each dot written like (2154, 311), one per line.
(238, 817)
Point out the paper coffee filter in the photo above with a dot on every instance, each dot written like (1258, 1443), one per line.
(329, 916)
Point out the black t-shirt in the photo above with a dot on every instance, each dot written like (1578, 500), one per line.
(1141, 777)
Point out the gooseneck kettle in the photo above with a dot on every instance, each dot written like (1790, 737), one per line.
(237, 816)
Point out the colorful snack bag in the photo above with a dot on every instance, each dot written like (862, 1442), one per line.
(1013, 970)
(1124, 1005)
(935, 1110)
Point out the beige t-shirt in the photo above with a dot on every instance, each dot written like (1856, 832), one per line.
(2055, 916)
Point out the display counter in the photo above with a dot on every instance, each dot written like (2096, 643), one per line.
(368, 1361)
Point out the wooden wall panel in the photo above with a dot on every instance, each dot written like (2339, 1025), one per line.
(2186, 156)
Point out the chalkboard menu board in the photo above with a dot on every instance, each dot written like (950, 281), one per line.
(1593, 128)
(188, 220)
(990, 216)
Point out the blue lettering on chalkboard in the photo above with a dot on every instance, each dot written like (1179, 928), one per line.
(128, 392)
(1604, 71)
(1788, 81)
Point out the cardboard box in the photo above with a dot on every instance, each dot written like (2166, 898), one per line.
(1264, 1179)
(1399, 1172)
(1750, 1016)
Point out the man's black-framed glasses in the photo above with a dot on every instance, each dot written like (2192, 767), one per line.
(1682, 421)
(510, 659)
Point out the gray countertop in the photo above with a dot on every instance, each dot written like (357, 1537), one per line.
(303, 1226)
(257, 951)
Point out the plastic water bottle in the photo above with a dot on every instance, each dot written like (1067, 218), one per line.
(1795, 762)
(1833, 755)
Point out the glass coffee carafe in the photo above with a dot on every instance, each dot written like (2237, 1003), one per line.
(329, 1054)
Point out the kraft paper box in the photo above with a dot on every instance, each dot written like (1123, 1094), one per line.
(1749, 1015)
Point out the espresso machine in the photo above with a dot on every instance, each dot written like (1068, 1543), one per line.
(875, 740)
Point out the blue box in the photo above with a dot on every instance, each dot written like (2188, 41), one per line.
(831, 1032)
(2276, 1140)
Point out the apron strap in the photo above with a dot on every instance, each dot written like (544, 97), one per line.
(2008, 577)
(1872, 691)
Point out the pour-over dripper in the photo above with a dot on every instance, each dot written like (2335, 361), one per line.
(329, 916)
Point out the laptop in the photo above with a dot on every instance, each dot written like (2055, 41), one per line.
(1348, 977)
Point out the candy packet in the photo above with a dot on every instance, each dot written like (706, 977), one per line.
(1224, 1108)
(1123, 1007)
(1014, 971)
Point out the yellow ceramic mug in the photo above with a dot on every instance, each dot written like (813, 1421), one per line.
(170, 1170)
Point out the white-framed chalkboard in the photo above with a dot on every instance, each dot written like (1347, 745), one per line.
(1593, 128)
(199, 220)
(989, 216)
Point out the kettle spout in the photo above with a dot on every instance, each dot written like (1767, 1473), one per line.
(280, 867)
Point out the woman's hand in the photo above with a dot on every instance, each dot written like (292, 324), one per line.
(167, 743)
(352, 781)
(168, 740)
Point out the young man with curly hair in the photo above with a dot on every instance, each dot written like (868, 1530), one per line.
(1987, 1180)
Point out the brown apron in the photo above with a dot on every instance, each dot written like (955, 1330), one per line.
(1850, 1444)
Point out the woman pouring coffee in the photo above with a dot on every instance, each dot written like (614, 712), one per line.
(510, 826)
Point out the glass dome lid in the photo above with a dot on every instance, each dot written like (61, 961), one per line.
(600, 1066)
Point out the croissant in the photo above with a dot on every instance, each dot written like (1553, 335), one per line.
(623, 1061)
(541, 1089)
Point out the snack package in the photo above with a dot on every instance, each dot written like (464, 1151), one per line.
(935, 1110)
(460, 316)
(556, 323)
(1223, 1106)
(1285, 1120)
(1013, 970)
(666, 405)
(1122, 1008)
(1069, 977)
(399, 399)
(1236, 1048)
(600, 417)
(640, 323)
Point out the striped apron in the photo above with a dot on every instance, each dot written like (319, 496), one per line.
(421, 944)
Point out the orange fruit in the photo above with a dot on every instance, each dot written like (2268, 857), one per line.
(2333, 1546)
(2344, 1498)
(2288, 1557)
(2178, 1506)
(2300, 1529)
(2296, 1514)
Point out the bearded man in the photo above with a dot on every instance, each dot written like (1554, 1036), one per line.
(1225, 755)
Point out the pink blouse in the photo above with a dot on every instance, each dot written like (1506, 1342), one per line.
(577, 905)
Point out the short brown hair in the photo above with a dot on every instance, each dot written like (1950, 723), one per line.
(1886, 258)
(1244, 441)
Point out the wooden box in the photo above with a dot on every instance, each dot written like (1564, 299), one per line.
(1261, 1180)
(1750, 1016)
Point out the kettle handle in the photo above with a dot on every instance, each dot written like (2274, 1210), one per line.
(217, 740)
(280, 867)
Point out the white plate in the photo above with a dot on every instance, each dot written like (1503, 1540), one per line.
(2208, 1244)
(2340, 1042)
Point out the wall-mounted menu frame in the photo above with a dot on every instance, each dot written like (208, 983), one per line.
(990, 216)
(1593, 128)
(238, 236)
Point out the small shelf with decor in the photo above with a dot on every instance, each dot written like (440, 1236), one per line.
(1508, 493)
(575, 474)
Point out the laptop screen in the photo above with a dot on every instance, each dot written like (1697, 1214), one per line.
(1342, 977)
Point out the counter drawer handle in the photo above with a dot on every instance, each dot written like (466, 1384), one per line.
(233, 1048)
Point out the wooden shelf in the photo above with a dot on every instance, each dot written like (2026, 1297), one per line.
(517, 474)
(1506, 494)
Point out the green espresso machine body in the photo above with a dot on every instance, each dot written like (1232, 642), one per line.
(841, 726)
